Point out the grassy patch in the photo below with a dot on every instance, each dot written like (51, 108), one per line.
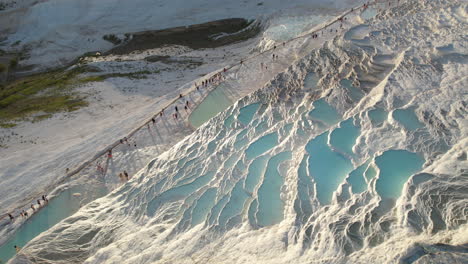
(130, 75)
(41, 117)
(97, 78)
(7, 125)
(47, 92)
(169, 60)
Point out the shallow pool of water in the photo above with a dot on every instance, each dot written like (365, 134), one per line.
(355, 93)
(396, 166)
(356, 179)
(178, 192)
(215, 102)
(407, 118)
(377, 116)
(344, 137)
(305, 191)
(270, 205)
(310, 81)
(324, 112)
(261, 145)
(230, 215)
(327, 168)
(369, 13)
(203, 206)
(256, 171)
(246, 113)
(58, 208)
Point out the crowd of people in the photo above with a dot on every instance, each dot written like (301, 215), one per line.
(24, 213)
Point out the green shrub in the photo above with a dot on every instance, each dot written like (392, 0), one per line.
(14, 63)
(49, 92)
(7, 125)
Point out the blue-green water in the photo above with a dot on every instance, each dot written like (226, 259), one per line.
(354, 93)
(270, 205)
(344, 137)
(356, 179)
(396, 166)
(215, 102)
(178, 192)
(407, 118)
(324, 112)
(234, 207)
(247, 113)
(327, 168)
(261, 145)
(256, 170)
(58, 208)
(377, 116)
(305, 189)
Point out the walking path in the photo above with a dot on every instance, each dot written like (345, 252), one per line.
(213, 80)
